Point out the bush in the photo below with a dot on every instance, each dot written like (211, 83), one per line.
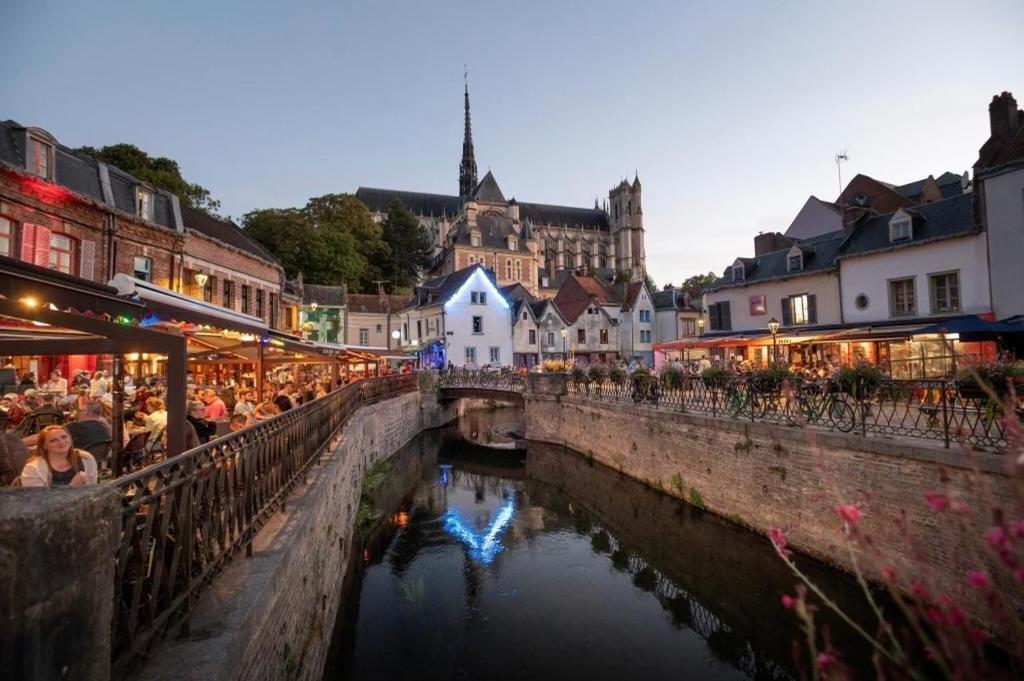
(771, 379)
(717, 377)
(598, 373)
(554, 366)
(642, 379)
(672, 377)
(578, 374)
(995, 376)
(616, 374)
(862, 380)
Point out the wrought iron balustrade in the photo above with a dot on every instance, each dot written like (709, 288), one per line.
(945, 411)
(184, 518)
(482, 379)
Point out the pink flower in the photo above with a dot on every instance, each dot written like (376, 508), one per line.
(849, 514)
(938, 501)
(779, 542)
(919, 590)
(788, 602)
(936, 616)
(978, 579)
(956, 616)
(1017, 529)
(825, 661)
(889, 574)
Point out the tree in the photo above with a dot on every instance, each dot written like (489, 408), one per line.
(160, 172)
(332, 240)
(410, 245)
(651, 286)
(698, 282)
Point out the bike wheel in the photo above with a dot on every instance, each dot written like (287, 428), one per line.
(841, 416)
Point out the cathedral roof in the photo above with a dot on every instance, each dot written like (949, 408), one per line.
(544, 214)
(494, 232)
(418, 203)
(488, 190)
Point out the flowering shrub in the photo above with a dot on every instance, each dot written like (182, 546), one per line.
(771, 379)
(996, 376)
(861, 380)
(716, 377)
(554, 366)
(939, 625)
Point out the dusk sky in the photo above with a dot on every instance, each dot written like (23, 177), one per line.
(731, 112)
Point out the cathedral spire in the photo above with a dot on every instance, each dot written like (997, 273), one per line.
(467, 169)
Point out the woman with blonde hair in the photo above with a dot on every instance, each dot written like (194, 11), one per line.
(56, 462)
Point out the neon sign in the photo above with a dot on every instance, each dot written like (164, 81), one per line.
(483, 548)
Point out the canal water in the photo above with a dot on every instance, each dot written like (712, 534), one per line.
(489, 562)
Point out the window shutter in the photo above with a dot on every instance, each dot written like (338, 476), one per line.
(28, 243)
(87, 256)
(726, 317)
(787, 313)
(42, 246)
(714, 321)
(812, 309)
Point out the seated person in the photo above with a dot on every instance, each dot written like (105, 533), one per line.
(41, 416)
(215, 409)
(205, 430)
(155, 416)
(238, 422)
(90, 428)
(57, 463)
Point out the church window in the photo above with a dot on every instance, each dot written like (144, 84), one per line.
(629, 208)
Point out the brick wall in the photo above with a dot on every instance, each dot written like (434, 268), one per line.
(270, 616)
(224, 263)
(764, 476)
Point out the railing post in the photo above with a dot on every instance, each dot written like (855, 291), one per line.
(945, 416)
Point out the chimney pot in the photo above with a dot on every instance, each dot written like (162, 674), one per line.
(1003, 117)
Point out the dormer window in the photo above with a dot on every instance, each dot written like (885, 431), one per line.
(795, 262)
(474, 239)
(144, 204)
(40, 157)
(738, 273)
(900, 228)
(513, 245)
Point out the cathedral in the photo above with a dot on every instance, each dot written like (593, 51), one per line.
(533, 244)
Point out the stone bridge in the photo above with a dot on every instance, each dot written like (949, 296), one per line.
(505, 385)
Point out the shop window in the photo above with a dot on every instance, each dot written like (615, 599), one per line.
(62, 253)
(581, 335)
(143, 268)
(6, 237)
(478, 324)
(945, 290)
(902, 300)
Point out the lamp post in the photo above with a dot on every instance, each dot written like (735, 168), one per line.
(773, 329)
(565, 333)
(201, 279)
(700, 326)
(395, 335)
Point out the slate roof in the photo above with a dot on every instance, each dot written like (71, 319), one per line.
(328, 296)
(494, 232)
(819, 256)
(488, 190)
(373, 303)
(437, 290)
(548, 215)
(419, 203)
(949, 185)
(946, 219)
(226, 232)
(80, 173)
(516, 292)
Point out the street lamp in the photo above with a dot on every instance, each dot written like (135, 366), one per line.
(395, 335)
(201, 279)
(773, 329)
(564, 334)
(700, 326)
(313, 306)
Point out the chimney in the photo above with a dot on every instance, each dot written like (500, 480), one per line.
(1003, 117)
(766, 242)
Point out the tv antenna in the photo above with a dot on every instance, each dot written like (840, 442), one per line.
(840, 157)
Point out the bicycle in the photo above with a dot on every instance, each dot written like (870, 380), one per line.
(815, 404)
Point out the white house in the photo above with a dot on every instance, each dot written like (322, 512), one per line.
(461, 319)
(999, 183)
(926, 261)
(636, 323)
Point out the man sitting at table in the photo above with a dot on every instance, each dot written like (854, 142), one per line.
(155, 417)
(57, 383)
(215, 407)
(41, 416)
(90, 428)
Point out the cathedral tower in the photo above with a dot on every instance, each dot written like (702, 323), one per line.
(467, 169)
(627, 223)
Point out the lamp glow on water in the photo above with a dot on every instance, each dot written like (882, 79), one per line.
(484, 547)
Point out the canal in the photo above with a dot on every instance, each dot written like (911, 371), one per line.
(494, 562)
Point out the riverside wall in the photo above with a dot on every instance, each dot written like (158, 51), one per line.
(765, 476)
(270, 616)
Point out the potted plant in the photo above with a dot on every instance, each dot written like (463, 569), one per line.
(616, 374)
(672, 378)
(987, 378)
(642, 382)
(716, 377)
(597, 373)
(861, 381)
(770, 380)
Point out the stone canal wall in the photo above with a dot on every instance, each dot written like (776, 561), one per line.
(765, 476)
(270, 616)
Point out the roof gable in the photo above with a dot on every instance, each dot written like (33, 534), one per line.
(488, 191)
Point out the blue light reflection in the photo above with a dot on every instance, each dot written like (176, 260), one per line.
(482, 548)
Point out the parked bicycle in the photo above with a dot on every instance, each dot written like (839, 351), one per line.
(816, 403)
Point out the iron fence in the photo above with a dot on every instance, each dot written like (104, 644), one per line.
(483, 379)
(184, 518)
(945, 411)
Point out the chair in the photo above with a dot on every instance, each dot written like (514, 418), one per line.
(101, 452)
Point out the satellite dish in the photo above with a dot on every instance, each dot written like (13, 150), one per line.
(965, 181)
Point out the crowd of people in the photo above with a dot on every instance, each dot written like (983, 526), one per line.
(59, 432)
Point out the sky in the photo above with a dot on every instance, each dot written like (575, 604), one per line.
(731, 112)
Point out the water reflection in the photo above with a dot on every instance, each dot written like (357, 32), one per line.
(543, 565)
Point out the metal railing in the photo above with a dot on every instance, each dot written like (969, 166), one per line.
(184, 518)
(945, 411)
(482, 379)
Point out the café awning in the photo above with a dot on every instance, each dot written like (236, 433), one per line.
(168, 306)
